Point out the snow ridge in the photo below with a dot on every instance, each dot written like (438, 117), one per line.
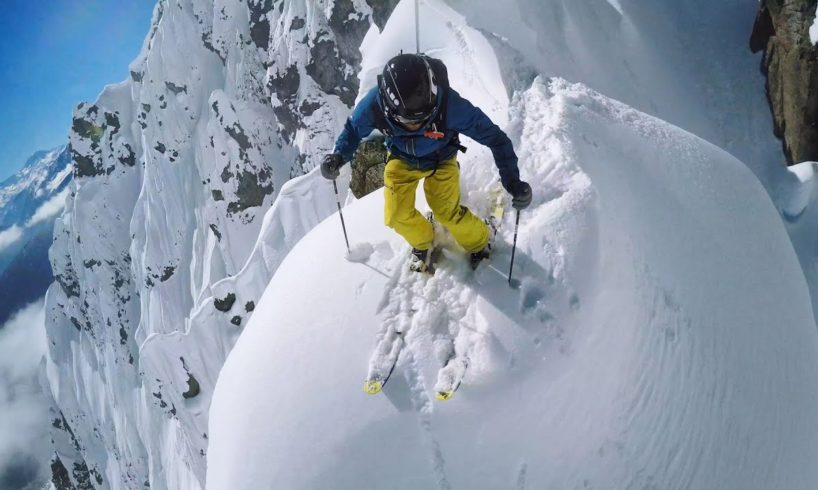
(625, 347)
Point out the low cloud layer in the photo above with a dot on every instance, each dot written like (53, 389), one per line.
(50, 208)
(9, 236)
(24, 442)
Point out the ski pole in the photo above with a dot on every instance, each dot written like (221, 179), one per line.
(514, 247)
(341, 214)
(417, 25)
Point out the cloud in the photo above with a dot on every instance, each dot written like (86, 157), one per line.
(50, 208)
(24, 413)
(9, 236)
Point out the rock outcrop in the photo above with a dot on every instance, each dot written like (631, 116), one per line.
(367, 167)
(790, 64)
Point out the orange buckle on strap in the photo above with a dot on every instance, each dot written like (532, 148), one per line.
(435, 135)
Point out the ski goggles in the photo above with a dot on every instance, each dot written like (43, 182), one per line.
(412, 120)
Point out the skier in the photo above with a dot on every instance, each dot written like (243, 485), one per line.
(421, 117)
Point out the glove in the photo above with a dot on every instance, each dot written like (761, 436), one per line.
(520, 194)
(330, 166)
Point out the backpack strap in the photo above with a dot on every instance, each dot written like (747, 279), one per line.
(378, 117)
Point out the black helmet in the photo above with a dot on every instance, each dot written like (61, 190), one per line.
(408, 89)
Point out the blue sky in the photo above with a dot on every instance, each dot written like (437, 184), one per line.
(55, 54)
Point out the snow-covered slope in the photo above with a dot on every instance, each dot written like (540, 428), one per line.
(44, 174)
(797, 200)
(193, 184)
(686, 62)
(30, 201)
(628, 358)
(174, 171)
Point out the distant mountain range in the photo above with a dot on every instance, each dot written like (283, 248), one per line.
(30, 200)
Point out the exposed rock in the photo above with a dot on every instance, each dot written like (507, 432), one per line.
(333, 81)
(226, 303)
(90, 264)
(297, 23)
(69, 283)
(782, 30)
(260, 22)
(251, 191)
(130, 157)
(167, 272)
(176, 89)
(216, 232)
(82, 476)
(192, 387)
(381, 10)
(59, 474)
(85, 129)
(367, 167)
(285, 87)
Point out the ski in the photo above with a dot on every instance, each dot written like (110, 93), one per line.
(450, 377)
(381, 368)
(496, 209)
(498, 198)
(387, 352)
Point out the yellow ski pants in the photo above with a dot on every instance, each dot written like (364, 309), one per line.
(442, 188)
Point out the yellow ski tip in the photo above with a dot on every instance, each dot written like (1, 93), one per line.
(444, 395)
(373, 386)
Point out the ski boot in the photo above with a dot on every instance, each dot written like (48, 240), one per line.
(479, 256)
(420, 260)
(485, 253)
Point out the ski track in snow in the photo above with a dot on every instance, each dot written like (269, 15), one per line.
(429, 313)
(423, 313)
(521, 477)
(423, 405)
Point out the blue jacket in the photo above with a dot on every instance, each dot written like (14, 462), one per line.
(424, 152)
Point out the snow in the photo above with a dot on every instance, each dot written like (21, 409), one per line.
(615, 4)
(627, 357)
(638, 230)
(800, 192)
(813, 29)
(45, 174)
(360, 252)
(685, 62)
(796, 199)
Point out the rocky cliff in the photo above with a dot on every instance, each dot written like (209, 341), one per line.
(161, 253)
(790, 63)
